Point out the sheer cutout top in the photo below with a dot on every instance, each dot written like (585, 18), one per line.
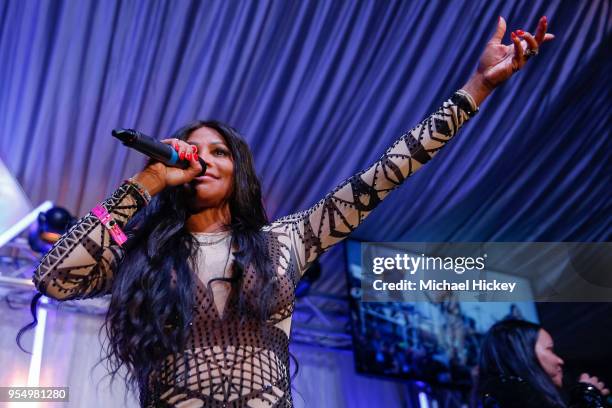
(229, 361)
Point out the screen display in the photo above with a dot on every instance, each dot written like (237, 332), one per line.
(436, 341)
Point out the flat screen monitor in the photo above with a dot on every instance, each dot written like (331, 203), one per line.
(433, 341)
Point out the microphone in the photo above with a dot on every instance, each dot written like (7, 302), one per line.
(154, 148)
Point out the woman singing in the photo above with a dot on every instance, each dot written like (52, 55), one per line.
(202, 291)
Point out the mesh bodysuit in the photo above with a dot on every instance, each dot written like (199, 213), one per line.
(226, 363)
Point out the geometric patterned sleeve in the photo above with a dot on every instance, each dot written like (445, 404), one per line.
(82, 262)
(309, 233)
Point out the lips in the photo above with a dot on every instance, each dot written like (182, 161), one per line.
(206, 177)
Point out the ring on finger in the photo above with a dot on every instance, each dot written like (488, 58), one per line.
(530, 52)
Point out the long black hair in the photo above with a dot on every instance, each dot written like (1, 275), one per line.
(153, 292)
(508, 352)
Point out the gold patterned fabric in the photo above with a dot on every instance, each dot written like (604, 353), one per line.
(233, 360)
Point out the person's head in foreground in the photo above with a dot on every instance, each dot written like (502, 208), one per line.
(519, 368)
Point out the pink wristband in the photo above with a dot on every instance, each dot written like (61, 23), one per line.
(109, 223)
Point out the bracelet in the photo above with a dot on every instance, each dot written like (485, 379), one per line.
(109, 223)
(473, 108)
(141, 190)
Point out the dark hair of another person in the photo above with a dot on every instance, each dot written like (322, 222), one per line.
(508, 350)
(149, 313)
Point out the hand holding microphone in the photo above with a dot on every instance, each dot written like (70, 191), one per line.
(595, 382)
(176, 161)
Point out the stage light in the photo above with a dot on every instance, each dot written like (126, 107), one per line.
(51, 225)
(423, 401)
(15, 229)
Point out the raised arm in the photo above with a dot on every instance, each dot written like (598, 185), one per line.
(81, 264)
(308, 234)
(333, 218)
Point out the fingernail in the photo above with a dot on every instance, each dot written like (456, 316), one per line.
(545, 19)
(513, 36)
(188, 156)
(194, 148)
(175, 146)
(182, 155)
(520, 32)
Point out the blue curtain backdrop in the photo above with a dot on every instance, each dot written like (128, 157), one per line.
(319, 89)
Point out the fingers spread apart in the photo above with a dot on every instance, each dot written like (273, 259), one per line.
(531, 45)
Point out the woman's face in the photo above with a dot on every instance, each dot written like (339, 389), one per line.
(550, 362)
(215, 186)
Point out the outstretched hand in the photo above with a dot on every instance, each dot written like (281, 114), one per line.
(498, 61)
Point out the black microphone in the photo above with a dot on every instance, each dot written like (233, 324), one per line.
(153, 148)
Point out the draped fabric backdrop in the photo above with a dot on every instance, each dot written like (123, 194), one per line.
(319, 89)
